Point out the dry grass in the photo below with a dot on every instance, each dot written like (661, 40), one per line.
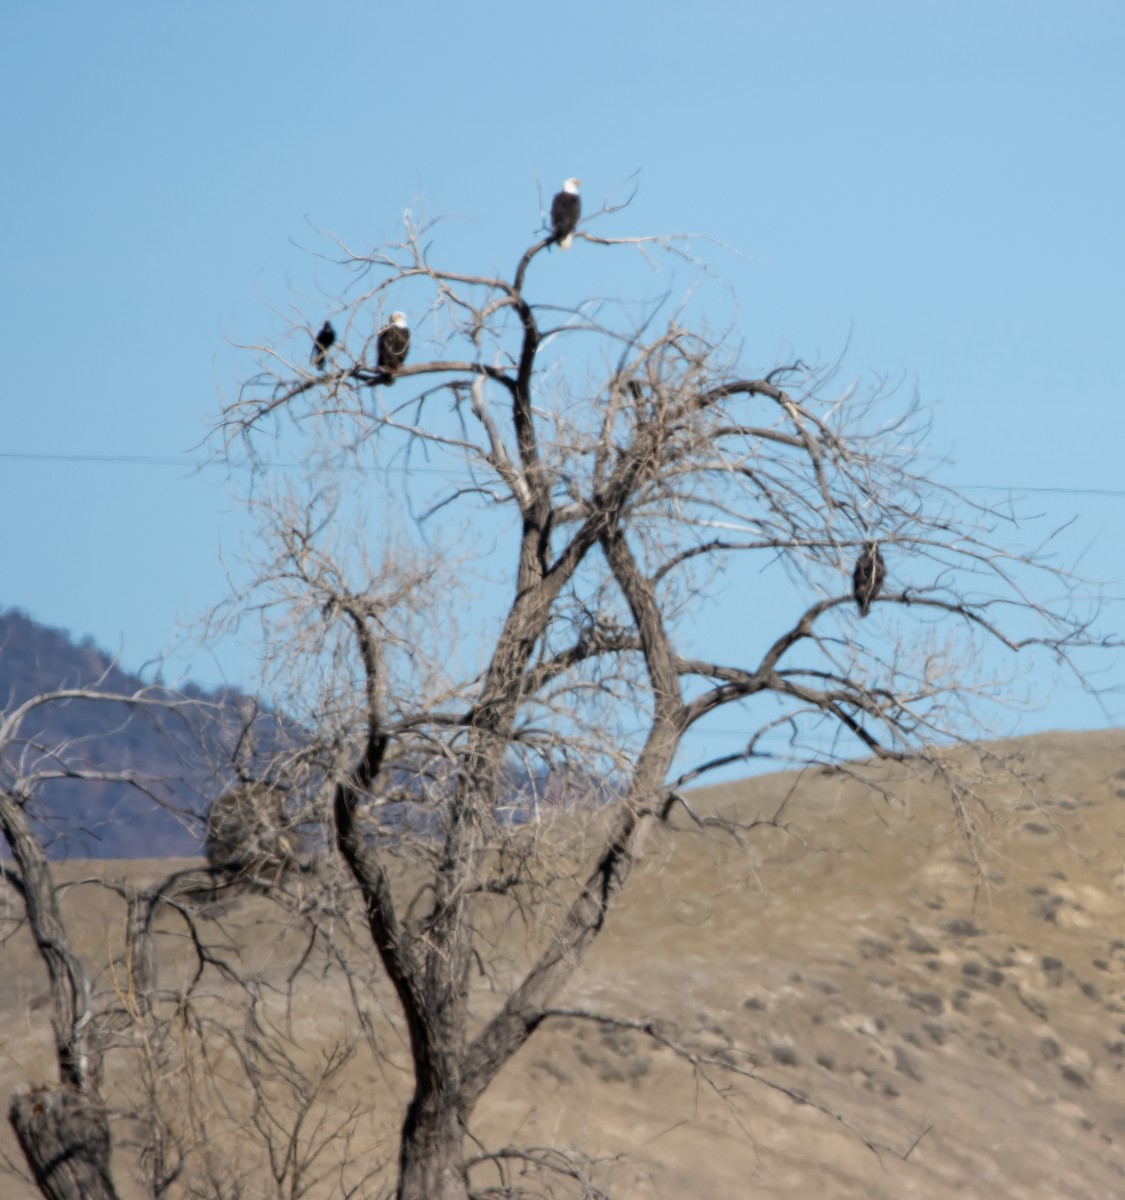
(960, 1007)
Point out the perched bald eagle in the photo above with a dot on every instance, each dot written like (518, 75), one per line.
(870, 571)
(394, 341)
(566, 208)
(321, 344)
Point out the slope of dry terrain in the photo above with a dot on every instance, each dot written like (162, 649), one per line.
(952, 1011)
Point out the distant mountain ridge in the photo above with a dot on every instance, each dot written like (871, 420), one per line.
(184, 758)
(111, 819)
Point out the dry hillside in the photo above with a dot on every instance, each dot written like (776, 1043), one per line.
(954, 1012)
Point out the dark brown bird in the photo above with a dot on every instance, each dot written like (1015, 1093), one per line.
(394, 341)
(566, 208)
(870, 571)
(321, 345)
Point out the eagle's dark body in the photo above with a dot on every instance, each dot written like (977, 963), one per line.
(321, 345)
(394, 342)
(566, 208)
(867, 581)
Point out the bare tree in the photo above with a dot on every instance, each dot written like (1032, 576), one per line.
(482, 598)
(62, 1127)
(175, 1065)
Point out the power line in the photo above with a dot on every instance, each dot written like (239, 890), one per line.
(159, 460)
(148, 460)
(195, 464)
(1115, 493)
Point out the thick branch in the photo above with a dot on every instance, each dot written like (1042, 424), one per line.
(525, 1008)
(516, 1021)
(387, 932)
(70, 986)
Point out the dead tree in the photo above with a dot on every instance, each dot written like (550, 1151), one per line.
(140, 1086)
(481, 604)
(558, 491)
(62, 1126)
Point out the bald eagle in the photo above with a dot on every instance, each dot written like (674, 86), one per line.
(321, 344)
(394, 341)
(566, 208)
(870, 571)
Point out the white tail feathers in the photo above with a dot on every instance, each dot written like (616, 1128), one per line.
(567, 242)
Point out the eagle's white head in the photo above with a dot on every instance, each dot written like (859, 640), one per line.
(398, 319)
(571, 186)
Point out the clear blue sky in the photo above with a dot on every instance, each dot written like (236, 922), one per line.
(936, 188)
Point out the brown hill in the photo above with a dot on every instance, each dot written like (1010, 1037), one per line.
(857, 1002)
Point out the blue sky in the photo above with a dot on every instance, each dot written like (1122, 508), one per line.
(932, 190)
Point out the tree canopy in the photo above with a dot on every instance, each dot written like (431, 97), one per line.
(486, 596)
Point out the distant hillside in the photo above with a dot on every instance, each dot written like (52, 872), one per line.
(112, 819)
(841, 1002)
(185, 758)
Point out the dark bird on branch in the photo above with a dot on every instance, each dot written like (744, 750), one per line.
(566, 208)
(394, 341)
(321, 344)
(870, 571)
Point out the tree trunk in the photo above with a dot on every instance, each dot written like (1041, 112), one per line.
(64, 1136)
(432, 1164)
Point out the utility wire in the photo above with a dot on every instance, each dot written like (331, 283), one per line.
(158, 460)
